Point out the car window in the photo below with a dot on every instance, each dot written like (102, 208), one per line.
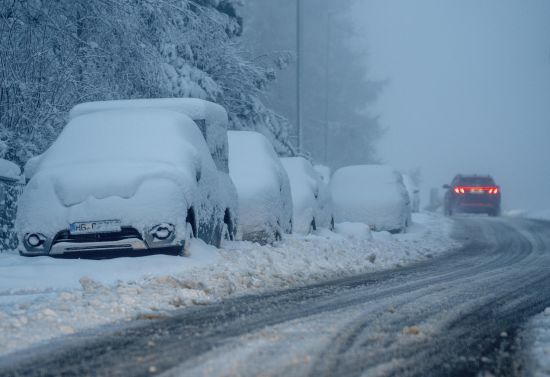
(476, 181)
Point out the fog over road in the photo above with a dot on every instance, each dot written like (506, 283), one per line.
(454, 315)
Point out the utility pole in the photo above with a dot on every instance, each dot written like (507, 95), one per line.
(328, 55)
(327, 86)
(299, 75)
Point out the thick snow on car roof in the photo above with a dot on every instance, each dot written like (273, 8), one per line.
(194, 108)
(9, 170)
(210, 117)
(114, 136)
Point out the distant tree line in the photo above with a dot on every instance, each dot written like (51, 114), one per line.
(56, 53)
(338, 124)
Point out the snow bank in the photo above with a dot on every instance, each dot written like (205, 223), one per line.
(357, 231)
(538, 346)
(9, 170)
(371, 194)
(265, 202)
(543, 214)
(42, 298)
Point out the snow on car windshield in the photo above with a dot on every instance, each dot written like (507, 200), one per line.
(114, 136)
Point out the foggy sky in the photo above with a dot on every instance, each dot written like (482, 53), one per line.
(469, 90)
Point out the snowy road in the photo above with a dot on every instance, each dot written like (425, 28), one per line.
(454, 315)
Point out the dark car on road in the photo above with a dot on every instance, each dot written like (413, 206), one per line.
(472, 194)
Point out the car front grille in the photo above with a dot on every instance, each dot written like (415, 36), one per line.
(125, 233)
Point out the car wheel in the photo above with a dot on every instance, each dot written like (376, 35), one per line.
(189, 235)
(226, 234)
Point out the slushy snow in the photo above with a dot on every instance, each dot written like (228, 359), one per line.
(43, 298)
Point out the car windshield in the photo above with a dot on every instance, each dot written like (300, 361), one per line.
(112, 137)
(476, 181)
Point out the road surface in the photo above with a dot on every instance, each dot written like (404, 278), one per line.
(454, 315)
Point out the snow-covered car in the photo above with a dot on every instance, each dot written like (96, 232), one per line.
(135, 179)
(324, 173)
(311, 199)
(414, 193)
(263, 188)
(372, 194)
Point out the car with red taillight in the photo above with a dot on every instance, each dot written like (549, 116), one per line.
(472, 194)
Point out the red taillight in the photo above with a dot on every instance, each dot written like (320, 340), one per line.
(460, 190)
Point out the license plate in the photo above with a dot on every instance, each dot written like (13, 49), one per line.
(480, 191)
(103, 226)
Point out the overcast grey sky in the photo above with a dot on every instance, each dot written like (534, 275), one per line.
(469, 89)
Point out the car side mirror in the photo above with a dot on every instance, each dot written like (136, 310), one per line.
(446, 187)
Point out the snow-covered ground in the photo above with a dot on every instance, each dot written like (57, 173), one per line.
(538, 345)
(540, 214)
(43, 298)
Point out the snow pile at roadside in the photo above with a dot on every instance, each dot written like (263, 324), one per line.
(538, 347)
(543, 214)
(42, 298)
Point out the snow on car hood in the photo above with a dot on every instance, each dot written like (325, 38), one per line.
(75, 184)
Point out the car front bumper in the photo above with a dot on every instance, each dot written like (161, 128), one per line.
(64, 243)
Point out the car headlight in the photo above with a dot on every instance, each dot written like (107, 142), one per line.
(162, 232)
(35, 239)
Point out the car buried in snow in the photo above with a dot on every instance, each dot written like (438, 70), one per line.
(136, 175)
(414, 193)
(472, 194)
(311, 199)
(263, 188)
(371, 194)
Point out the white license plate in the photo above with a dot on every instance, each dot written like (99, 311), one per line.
(477, 191)
(103, 226)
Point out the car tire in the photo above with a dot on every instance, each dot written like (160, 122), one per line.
(226, 235)
(494, 213)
